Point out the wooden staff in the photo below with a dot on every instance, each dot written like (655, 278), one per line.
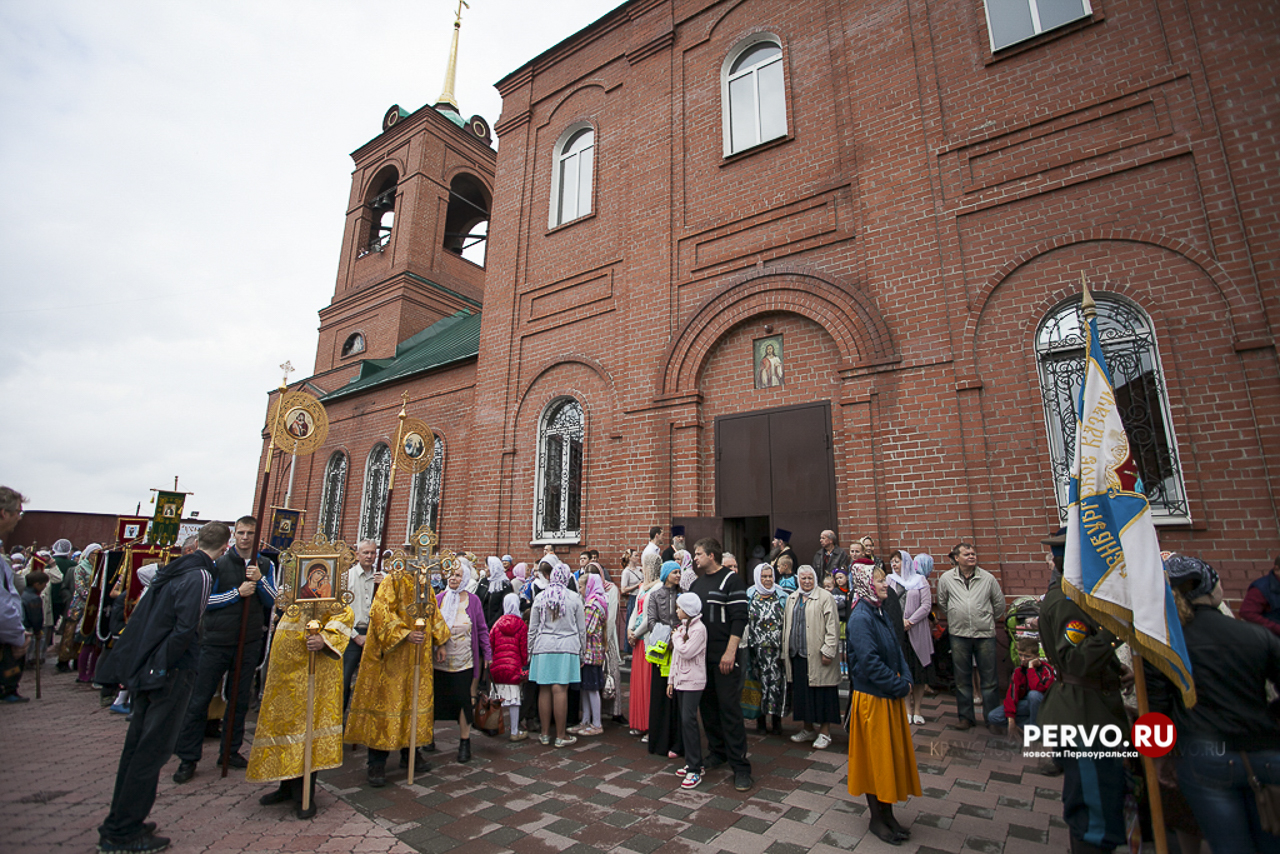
(39, 666)
(421, 626)
(228, 717)
(1149, 764)
(391, 486)
(313, 629)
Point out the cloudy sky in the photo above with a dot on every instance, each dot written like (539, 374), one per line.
(174, 184)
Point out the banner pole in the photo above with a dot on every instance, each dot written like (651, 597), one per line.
(313, 628)
(1149, 764)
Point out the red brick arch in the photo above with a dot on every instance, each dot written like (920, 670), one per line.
(848, 314)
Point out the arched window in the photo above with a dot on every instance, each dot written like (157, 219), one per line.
(574, 160)
(1129, 345)
(353, 345)
(753, 94)
(424, 494)
(466, 221)
(335, 489)
(373, 504)
(381, 202)
(558, 508)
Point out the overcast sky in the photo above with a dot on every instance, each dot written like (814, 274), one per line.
(173, 186)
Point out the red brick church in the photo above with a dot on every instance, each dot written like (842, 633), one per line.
(817, 265)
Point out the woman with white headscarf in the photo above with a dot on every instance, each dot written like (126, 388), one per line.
(493, 589)
(810, 637)
(459, 661)
(764, 612)
(910, 579)
(557, 633)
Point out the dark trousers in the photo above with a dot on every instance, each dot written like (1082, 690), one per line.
(664, 716)
(721, 706)
(963, 653)
(350, 661)
(1093, 800)
(215, 662)
(11, 667)
(688, 701)
(147, 747)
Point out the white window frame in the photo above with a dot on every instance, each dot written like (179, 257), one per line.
(1177, 509)
(561, 161)
(726, 116)
(373, 507)
(560, 533)
(416, 484)
(332, 495)
(1039, 29)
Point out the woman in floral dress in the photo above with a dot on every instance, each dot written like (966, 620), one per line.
(765, 630)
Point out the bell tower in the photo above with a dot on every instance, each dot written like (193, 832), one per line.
(413, 250)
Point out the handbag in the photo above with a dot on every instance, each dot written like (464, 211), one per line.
(610, 689)
(1267, 796)
(487, 714)
(751, 693)
(657, 646)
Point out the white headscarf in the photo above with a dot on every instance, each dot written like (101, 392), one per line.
(498, 580)
(511, 604)
(909, 577)
(470, 581)
(449, 606)
(761, 590)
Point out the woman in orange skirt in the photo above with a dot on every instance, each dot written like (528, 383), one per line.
(882, 758)
(638, 707)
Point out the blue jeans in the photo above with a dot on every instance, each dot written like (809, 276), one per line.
(1213, 781)
(1028, 711)
(963, 653)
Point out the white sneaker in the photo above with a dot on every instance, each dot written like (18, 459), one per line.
(918, 719)
(822, 742)
(803, 735)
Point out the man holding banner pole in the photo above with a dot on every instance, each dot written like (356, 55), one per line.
(1113, 591)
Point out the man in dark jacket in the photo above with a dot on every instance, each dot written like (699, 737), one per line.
(157, 655)
(829, 557)
(1088, 692)
(239, 591)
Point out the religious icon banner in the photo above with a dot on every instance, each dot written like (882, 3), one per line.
(130, 528)
(285, 525)
(164, 528)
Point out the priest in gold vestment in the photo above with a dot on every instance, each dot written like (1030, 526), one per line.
(382, 701)
(277, 752)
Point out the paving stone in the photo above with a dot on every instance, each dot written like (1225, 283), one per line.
(1013, 803)
(840, 840)
(699, 834)
(971, 785)
(675, 811)
(786, 848)
(503, 836)
(752, 825)
(565, 827)
(620, 819)
(976, 811)
(1017, 831)
(934, 792)
(801, 815)
(941, 822)
(497, 812)
(985, 846)
(643, 844)
(1016, 779)
(429, 840)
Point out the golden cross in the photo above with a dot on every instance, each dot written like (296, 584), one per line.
(288, 368)
(461, 3)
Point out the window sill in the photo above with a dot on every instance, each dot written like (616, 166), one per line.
(1036, 41)
(572, 539)
(562, 226)
(755, 149)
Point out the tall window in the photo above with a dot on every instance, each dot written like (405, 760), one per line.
(558, 513)
(753, 94)
(1129, 345)
(1012, 21)
(335, 488)
(373, 504)
(466, 221)
(574, 164)
(381, 202)
(424, 494)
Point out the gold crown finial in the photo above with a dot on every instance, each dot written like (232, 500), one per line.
(288, 368)
(1087, 306)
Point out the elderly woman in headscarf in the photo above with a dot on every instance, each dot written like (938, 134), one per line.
(557, 633)
(688, 574)
(638, 709)
(910, 580)
(1229, 734)
(612, 705)
(664, 717)
(882, 759)
(764, 621)
(459, 661)
(810, 636)
(81, 642)
(494, 589)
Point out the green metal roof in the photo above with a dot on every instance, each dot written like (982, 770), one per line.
(453, 339)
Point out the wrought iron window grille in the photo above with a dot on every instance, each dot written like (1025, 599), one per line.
(558, 511)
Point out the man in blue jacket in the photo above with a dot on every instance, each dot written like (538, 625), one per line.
(157, 658)
(239, 591)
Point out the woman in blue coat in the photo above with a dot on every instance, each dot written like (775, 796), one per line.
(882, 759)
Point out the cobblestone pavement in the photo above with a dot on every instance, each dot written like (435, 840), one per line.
(59, 758)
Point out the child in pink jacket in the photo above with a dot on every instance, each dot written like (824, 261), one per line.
(688, 678)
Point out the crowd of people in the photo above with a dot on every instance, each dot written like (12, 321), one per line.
(681, 651)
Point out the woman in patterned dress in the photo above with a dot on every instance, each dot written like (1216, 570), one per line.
(765, 630)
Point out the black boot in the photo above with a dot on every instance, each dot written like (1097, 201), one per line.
(464, 750)
(377, 774)
(762, 724)
(777, 724)
(279, 796)
(883, 832)
(310, 811)
(886, 810)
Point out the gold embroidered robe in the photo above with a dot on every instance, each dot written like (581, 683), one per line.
(382, 700)
(278, 741)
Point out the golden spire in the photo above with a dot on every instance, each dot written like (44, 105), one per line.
(1087, 305)
(451, 71)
